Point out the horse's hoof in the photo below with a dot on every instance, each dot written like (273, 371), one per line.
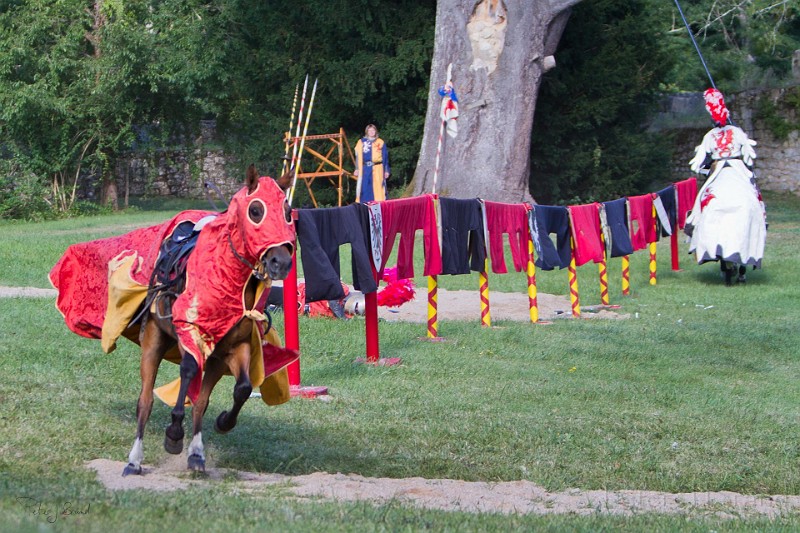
(219, 423)
(175, 447)
(742, 279)
(130, 469)
(197, 463)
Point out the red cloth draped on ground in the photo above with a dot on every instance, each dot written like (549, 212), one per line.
(406, 216)
(687, 192)
(585, 227)
(643, 222)
(511, 219)
(81, 275)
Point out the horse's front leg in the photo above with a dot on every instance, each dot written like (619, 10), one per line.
(239, 365)
(173, 438)
(214, 369)
(154, 345)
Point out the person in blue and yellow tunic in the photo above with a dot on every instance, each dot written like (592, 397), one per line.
(372, 166)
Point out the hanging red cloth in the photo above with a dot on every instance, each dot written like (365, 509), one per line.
(643, 222)
(687, 192)
(511, 219)
(585, 226)
(406, 216)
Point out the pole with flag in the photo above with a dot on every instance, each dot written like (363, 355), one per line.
(449, 115)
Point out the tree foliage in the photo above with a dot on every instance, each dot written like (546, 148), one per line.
(83, 82)
(745, 43)
(589, 133)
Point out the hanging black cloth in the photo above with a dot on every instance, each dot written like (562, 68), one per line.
(463, 243)
(549, 219)
(320, 233)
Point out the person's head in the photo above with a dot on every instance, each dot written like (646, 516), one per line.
(371, 131)
(715, 104)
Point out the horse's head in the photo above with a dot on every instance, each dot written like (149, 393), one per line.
(261, 223)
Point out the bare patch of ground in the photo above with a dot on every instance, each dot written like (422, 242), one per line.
(466, 305)
(510, 497)
(452, 305)
(26, 292)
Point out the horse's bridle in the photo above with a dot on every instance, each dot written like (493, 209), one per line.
(256, 273)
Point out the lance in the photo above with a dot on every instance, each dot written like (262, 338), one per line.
(303, 140)
(289, 133)
(299, 121)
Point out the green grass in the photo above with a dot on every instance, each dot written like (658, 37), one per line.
(699, 393)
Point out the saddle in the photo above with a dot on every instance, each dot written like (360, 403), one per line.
(170, 268)
(169, 273)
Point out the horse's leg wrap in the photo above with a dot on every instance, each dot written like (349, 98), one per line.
(134, 465)
(197, 457)
(173, 439)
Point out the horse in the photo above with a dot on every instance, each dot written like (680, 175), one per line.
(208, 322)
(727, 223)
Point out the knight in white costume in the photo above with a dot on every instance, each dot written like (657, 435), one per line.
(728, 220)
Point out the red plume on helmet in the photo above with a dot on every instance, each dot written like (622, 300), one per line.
(715, 104)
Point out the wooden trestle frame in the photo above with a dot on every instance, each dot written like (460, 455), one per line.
(332, 170)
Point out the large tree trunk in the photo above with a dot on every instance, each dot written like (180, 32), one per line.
(499, 50)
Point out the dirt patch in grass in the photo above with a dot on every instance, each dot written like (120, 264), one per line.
(466, 305)
(452, 305)
(509, 497)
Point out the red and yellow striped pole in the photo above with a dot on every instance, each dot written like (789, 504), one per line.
(532, 302)
(653, 255)
(573, 282)
(483, 278)
(626, 275)
(433, 307)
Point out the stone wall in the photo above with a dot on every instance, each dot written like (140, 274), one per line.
(175, 173)
(778, 165)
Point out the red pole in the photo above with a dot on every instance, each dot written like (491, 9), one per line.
(371, 323)
(291, 324)
(674, 249)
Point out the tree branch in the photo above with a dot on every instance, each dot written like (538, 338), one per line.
(557, 6)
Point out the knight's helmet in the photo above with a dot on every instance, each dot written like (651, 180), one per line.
(715, 104)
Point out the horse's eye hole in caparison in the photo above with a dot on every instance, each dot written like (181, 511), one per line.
(256, 211)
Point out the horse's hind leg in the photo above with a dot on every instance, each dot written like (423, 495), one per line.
(154, 345)
(173, 438)
(239, 364)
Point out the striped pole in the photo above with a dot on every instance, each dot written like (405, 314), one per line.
(533, 305)
(441, 137)
(483, 280)
(626, 275)
(299, 121)
(289, 132)
(303, 141)
(438, 155)
(433, 313)
(653, 255)
(603, 271)
(573, 282)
